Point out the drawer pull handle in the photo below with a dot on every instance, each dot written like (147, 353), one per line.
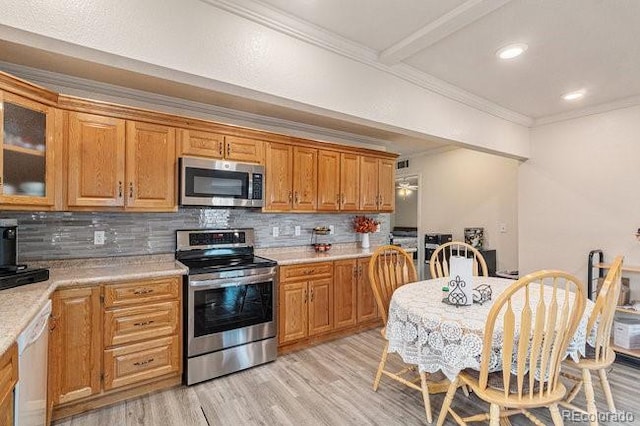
(309, 271)
(141, 363)
(143, 323)
(143, 291)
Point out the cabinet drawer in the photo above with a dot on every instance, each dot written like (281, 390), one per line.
(141, 291)
(130, 364)
(306, 270)
(137, 323)
(8, 371)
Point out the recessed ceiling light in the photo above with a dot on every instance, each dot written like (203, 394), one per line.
(511, 51)
(573, 96)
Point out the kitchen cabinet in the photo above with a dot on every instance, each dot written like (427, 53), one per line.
(118, 163)
(345, 293)
(27, 155)
(367, 305)
(114, 337)
(75, 353)
(305, 301)
(338, 177)
(215, 145)
(291, 178)
(96, 161)
(377, 180)
(8, 380)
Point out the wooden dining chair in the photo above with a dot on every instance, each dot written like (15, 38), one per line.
(439, 263)
(600, 357)
(391, 267)
(546, 307)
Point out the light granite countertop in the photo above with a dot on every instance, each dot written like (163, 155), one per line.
(297, 255)
(19, 305)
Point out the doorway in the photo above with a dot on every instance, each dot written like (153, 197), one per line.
(405, 220)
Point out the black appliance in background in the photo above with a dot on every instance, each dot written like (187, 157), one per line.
(432, 241)
(11, 273)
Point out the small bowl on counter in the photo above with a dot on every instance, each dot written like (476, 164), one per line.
(321, 247)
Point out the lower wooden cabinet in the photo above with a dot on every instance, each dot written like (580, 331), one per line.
(8, 379)
(75, 345)
(305, 308)
(106, 338)
(324, 299)
(131, 364)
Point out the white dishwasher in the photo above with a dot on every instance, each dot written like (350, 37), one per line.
(31, 390)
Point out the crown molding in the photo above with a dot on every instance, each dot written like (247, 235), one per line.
(290, 25)
(201, 110)
(592, 110)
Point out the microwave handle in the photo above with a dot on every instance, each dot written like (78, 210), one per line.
(250, 189)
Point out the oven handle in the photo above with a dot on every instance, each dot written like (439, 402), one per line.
(231, 282)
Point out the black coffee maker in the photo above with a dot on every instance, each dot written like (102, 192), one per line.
(8, 244)
(12, 274)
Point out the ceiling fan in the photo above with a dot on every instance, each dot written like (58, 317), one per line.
(405, 188)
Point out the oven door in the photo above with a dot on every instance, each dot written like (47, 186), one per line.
(227, 312)
(220, 183)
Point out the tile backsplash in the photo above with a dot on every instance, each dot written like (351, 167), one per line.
(65, 235)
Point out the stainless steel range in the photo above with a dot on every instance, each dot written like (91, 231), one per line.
(230, 303)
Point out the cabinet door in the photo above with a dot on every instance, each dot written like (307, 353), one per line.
(345, 293)
(349, 181)
(8, 379)
(26, 152)
(293, 307)
(320, 305)
(96, 161)
(328, 180)
(75, 346)
(305, 178)
(278, 168)
(151, 166)
(386, 185)
(368, 183)
(367, 305)
(201, 144)
(244, 149)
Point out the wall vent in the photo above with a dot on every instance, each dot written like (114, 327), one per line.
(403, 164)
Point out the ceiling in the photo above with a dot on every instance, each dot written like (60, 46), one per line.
(573, 44)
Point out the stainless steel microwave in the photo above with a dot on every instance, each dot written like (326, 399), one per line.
(219, 183)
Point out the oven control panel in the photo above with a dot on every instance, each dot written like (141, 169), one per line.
(216, 238)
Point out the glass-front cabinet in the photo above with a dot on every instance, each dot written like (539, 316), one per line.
(26, 157)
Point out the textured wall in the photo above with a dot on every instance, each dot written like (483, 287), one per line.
(44, 236)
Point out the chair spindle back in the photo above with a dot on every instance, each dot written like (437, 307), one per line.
(439, 263)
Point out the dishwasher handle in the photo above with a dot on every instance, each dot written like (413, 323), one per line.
(36, 327)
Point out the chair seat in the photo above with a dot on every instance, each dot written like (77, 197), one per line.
(495, 390)
(589, 360)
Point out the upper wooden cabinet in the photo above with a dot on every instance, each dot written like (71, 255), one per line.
(151, 166)
(116, 163)
(291, 181)
(377, 180)
(338, 181)
(214, 145)
(96, 161)
(27, 154)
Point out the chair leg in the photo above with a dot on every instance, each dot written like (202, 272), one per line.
(383, 360)
(607, 390)
(555, 415)
(591, 403)
(447, 401)
(425, 397)
(465, 390)
(494, 415)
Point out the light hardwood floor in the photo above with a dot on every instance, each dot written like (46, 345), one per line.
(330, 384)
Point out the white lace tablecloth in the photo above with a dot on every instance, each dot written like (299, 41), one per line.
(435, 336)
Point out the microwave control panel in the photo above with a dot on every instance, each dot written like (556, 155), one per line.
(257, 186)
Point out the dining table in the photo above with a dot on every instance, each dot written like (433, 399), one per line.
(437, 336)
